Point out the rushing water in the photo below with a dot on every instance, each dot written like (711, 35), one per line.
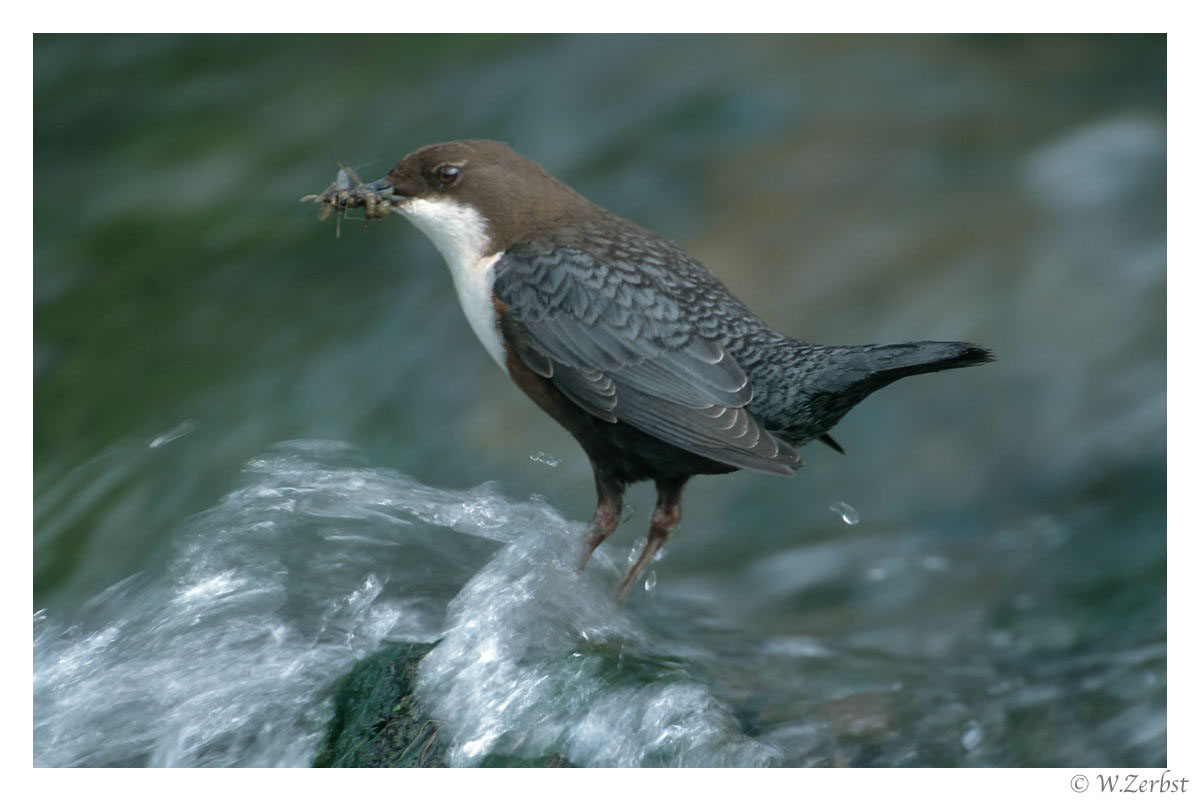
(313, 563)
(229, 657)
(230, 402)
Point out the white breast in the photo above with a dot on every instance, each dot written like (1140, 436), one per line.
(460, 234)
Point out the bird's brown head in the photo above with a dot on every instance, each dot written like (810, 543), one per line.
(447, 181)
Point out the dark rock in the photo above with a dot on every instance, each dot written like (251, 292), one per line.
(377, 723)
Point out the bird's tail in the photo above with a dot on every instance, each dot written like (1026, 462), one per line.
(839, 377)
(884, 364)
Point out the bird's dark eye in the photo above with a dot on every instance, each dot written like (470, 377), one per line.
(446, 174)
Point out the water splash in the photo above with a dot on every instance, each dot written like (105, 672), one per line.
(315, 562)
(228, 658)
(541, 457)
(230, 655)
(538, 660)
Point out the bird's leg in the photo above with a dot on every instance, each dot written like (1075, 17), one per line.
(610, 495)
(663, 521)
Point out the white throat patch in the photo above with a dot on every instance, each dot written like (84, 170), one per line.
(460, 234)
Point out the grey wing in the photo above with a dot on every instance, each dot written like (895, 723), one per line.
(618, 345)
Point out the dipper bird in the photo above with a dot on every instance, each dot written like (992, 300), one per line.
(634, 347)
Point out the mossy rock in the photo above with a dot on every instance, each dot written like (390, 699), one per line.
(377, 723)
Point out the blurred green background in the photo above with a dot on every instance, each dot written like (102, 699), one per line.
(189, 312)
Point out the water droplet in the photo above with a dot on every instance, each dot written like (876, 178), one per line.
(633, 553)
(541, 457)
(659, 554)
(1024, 602)
(651, 581)
(935, 563)
(845, 511)
(973, 736)
(181, 430)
